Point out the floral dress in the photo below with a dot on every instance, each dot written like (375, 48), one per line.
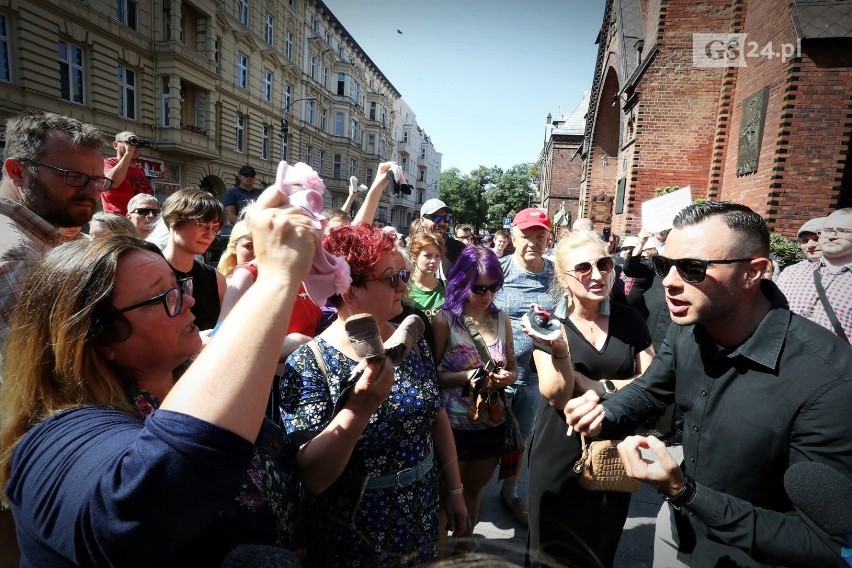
(346, 525)
(267, 501)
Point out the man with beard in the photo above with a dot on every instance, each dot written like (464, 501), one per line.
(52, 176)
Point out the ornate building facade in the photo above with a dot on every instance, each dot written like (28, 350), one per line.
(213, 86)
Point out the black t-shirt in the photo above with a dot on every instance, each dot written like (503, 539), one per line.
(206, 293)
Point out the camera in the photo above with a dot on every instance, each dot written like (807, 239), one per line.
(606, 233)
(138, 143)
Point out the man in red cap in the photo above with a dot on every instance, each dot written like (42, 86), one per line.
(526, 280)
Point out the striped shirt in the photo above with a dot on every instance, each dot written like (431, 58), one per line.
(24, 239)
(796, 282)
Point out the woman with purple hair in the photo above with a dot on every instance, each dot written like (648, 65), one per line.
(470, 386)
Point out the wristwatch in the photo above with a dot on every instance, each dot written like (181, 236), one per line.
(684, 496)
(609, 389)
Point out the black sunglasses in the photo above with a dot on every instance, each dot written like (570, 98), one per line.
(394, 279)
(604, 264)
(172, 299)
(689, 269)
(480, 289)
(438, 218)
(145, 211)
(76, 179)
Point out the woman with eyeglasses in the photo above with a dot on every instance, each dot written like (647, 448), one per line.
(470, 386)
(372, 495)
(604, 346)
(194, 218)
(106, 459)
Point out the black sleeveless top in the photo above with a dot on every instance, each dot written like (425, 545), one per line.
(205, 290)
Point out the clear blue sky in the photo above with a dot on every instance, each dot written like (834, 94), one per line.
(481, 75)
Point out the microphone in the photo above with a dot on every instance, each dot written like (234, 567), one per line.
(824, 495)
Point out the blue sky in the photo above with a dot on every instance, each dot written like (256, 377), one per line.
(481, 75)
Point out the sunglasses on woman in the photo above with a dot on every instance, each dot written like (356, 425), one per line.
(690, 269)
(394, 279)
(172, 299)
(583, 269)
(480, 289)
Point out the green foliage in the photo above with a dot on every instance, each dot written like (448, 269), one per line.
(786, 251)
(664, 190)
(485, 196)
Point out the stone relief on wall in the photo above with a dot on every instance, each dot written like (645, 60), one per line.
(751, 132)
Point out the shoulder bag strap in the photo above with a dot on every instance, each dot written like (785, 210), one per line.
(832, 317)
(318, 356)
(477, 339)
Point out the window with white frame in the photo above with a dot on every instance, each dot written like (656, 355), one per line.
(217, 51)
(5, 51)
(335, 166)
(369, 175)
(71, 73)
(314, 23)
(313, 67)
(267, 85)
(321, 170)
(269, 28)
(242, 70)
(341, 83)
(323, 125)
(353, 129)
(288, 46)
(405, 163)
(240, 133)
(309, 154)
(243, 11)
(356, 92)
(338, 124)
(353, 167)
(327, 37)
(288, 97)
(325, 77)
(309, 117)
(264, 142)
(166, 96)
(128, 13)
(126, 92)
(372, 114)
(371, 143)
(383, 114)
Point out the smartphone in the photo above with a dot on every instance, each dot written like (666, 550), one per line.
(606, 233)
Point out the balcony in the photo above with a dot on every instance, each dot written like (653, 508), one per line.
(403, 147)
(174, 58)
(194, 143)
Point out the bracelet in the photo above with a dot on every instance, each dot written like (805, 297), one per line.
(685, 496)
(457, 491)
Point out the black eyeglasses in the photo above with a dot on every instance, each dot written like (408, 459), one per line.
(481, 289)
(604, 264)
(445, 218)
(690, 269)
(77, 179)
(395, 278)
(145, 211)
(172, 299)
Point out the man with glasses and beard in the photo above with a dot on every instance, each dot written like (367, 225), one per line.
(52, 175)
(760, 388)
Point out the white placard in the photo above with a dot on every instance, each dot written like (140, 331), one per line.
(658, 213)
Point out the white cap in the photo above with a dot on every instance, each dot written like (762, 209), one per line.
(433, 205)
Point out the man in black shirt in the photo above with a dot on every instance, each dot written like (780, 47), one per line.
(760, 388)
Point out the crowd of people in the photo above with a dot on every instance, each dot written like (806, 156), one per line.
(156, 409)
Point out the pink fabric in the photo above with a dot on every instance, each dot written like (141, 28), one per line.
(329, 274)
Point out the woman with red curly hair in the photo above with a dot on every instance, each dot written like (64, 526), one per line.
(373, 489)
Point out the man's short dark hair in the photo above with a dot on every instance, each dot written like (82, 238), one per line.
(750, 227)
(26, 134)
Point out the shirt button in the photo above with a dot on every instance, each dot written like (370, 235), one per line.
(692, 460)
(695, 428)
(703, 392)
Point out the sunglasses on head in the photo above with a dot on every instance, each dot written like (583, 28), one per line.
(480, 289)
(604, 264)
(395, 278)
(445, 218)
(689, 269)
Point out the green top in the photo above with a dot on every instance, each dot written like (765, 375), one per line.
(430, 301)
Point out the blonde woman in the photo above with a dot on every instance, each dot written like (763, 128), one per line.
(604, 346)
(240, 251)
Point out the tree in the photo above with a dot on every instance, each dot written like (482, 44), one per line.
(459, 192)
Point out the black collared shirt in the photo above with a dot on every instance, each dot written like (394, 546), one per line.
(783, 396)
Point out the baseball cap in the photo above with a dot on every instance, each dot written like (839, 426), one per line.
(812, 226)
(532, 217)
(247, 171)
(629, 242)
(433, 205)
